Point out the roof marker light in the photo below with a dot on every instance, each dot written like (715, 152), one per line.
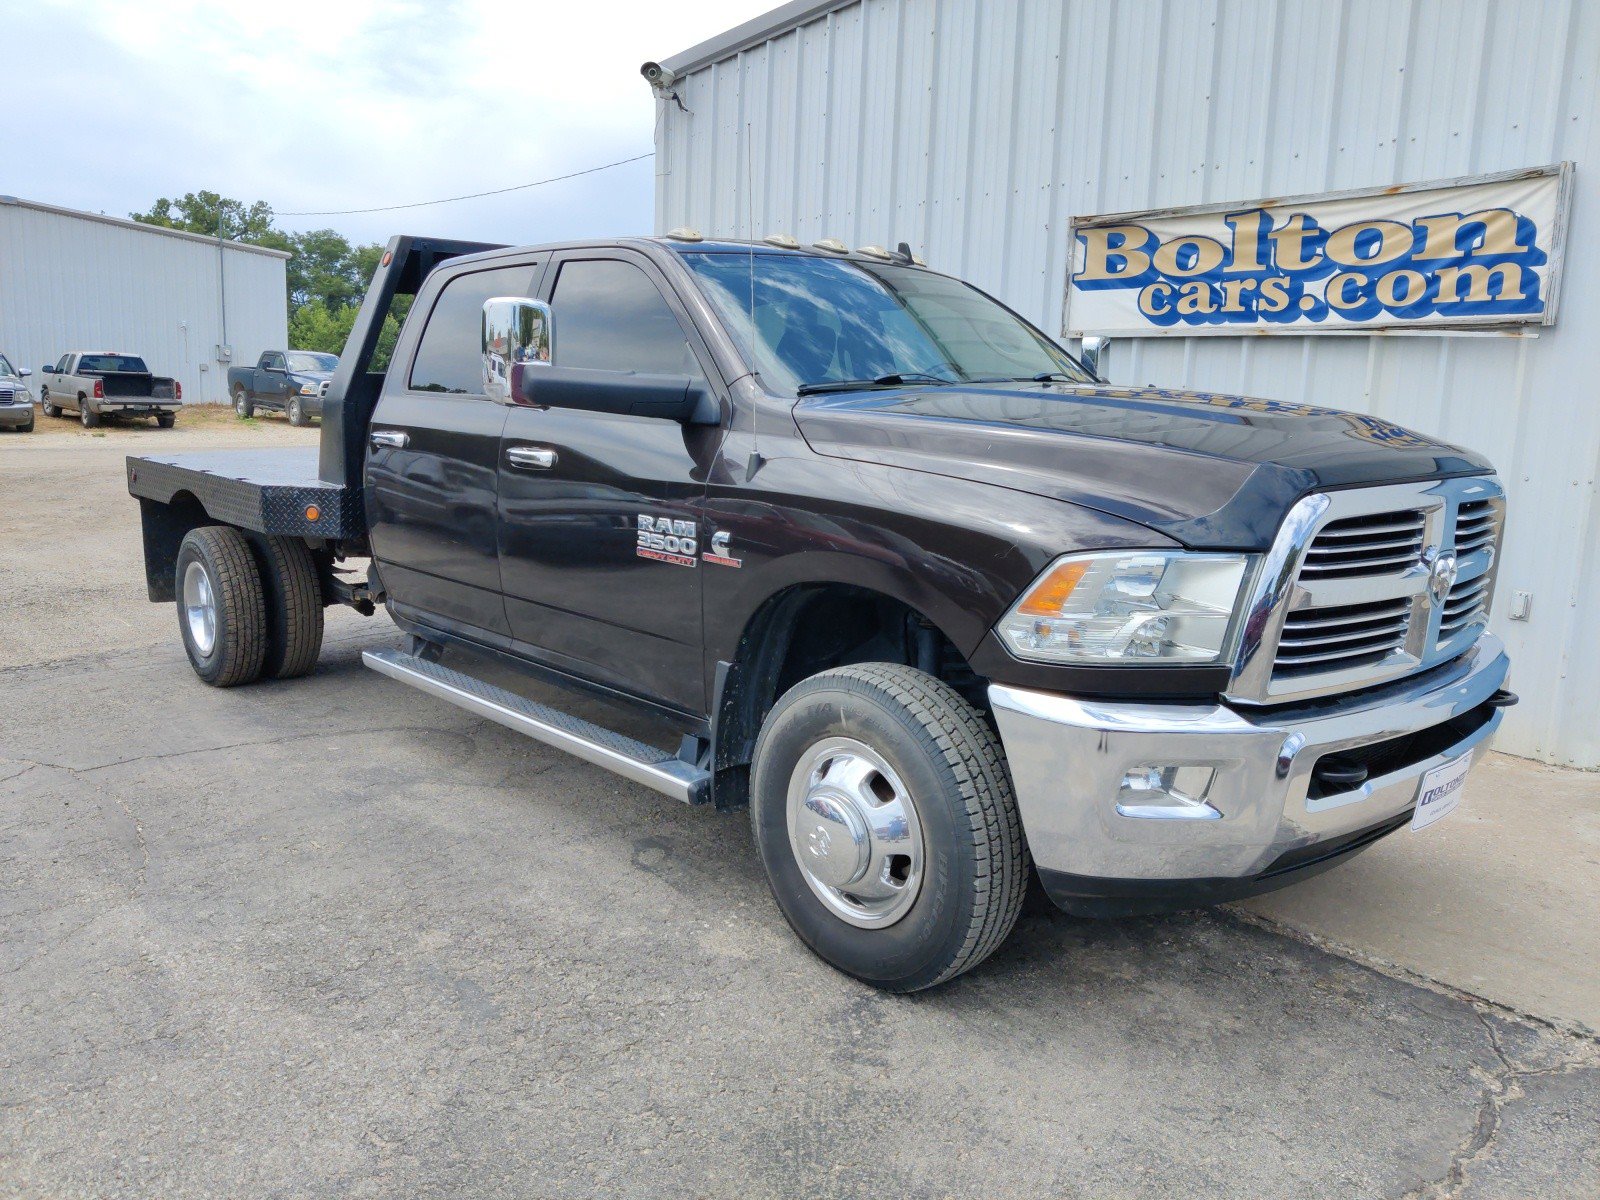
(832, 246)
(876, 252)
(783, 240)
(684, 233)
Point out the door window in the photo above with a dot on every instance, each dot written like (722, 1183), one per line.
(610, 316)
(449, 357)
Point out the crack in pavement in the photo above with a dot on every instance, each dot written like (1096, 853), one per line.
(245, 745)
(1501, 1088)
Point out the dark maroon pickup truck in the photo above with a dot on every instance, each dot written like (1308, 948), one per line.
(880, 560)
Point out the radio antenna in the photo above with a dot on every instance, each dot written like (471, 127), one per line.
(754, 463)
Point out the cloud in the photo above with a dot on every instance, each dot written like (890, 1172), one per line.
(346, 104)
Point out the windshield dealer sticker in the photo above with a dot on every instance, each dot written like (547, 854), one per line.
(668, 540)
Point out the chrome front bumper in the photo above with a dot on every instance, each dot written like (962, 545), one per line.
(1263, 814)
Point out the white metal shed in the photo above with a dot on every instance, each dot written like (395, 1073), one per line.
(74, 280)
(976, 129)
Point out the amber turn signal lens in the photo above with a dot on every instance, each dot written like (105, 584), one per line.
(1049, 595)
(312, 512)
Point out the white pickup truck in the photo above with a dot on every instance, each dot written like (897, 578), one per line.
(101, 383)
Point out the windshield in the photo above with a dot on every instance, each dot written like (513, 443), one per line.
(5, 366)
(111, 364)
(821, 321)
(300, 360)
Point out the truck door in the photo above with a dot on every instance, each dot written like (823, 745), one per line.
(58, 388)
(577, 488)
(272, 379)
(431, 466)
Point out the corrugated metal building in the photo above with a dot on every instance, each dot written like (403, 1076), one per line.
(976, 129)
(81, 281)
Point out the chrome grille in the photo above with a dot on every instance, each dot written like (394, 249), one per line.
(1351, 592)
(1376, 544)
(8, 395)
(1315, 640)
(1468, 601)
(1477, 526)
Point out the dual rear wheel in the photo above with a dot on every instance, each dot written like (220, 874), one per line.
(247, 607)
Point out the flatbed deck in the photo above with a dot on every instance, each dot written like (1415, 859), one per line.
(264, 491)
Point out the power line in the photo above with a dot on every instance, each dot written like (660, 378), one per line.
(345, 212)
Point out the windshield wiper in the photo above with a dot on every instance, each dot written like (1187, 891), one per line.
(893, 379)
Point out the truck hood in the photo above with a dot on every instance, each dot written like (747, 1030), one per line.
(1205, 469)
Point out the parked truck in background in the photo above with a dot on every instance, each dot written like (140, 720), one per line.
(16, 402)
(287, 381)
(881, 561)
(104, 383)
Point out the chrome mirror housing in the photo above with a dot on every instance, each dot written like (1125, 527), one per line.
(1093, 355)
(517, 333)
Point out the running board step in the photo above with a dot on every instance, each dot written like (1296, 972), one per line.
(649, 765)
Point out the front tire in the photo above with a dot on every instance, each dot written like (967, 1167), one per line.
(883, 813)
(297, 412)
(50, 410)
(222, 612)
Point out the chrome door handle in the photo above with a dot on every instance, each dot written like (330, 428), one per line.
(391, 438)
(531, 458)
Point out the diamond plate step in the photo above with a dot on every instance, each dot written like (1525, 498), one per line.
(649, 765)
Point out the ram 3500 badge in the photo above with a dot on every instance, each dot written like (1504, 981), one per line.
(993, 618)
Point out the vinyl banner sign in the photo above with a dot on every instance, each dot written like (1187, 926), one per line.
(1465, 253)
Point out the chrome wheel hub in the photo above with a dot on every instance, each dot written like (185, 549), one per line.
(854, 832)
(200, 608)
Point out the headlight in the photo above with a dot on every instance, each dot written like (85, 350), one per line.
(308, 389)
(1138, 606)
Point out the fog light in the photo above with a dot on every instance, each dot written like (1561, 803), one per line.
(1172, 793)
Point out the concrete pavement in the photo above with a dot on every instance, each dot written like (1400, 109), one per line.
(332, 937)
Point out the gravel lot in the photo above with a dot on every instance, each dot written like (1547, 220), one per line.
(332, 937)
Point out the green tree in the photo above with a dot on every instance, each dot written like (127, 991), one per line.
(217, 216)
(326, 275)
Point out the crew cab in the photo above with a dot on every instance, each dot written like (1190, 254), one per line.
(287, 381)
(16, 402)
(880, 561)
(104, 383)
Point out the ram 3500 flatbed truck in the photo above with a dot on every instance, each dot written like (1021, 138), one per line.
(941, 607)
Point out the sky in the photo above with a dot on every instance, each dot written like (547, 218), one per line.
(343, 104)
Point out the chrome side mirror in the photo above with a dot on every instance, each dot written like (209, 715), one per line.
(517, 333)
(24, 372)
(1093, 355)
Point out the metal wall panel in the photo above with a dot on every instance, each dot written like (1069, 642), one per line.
(975, 129)
(71, 281)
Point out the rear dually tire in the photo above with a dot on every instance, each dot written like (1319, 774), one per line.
(221, 603)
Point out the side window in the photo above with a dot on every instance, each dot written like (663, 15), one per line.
(275, 361)
(449, 354)
(611, 317)
(66, 361)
